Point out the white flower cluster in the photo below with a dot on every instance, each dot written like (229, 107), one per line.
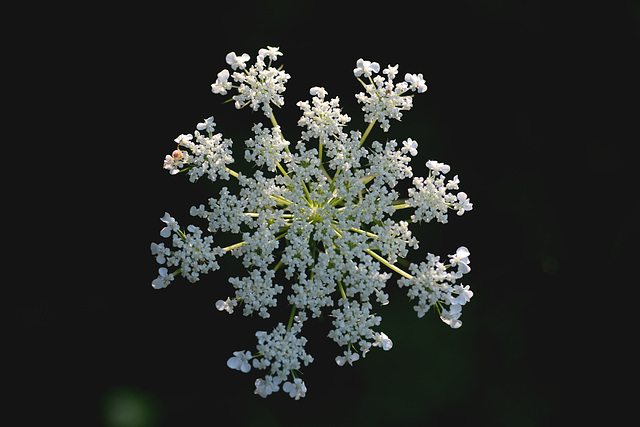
(268, 147)
(429, 196)
(353, 323)
(260, 85)
(433, 285)
(208, 155)
(324, 118)
(193, 254)
(280, 353)
(383, 98)
(315, 219)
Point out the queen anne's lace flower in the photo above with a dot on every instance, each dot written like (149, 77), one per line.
(314, 219)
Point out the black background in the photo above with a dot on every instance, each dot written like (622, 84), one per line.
(533, 104)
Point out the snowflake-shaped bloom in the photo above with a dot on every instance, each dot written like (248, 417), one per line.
(314, 223)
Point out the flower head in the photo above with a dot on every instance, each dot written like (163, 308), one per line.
(314, 222)
(259, 86)
(383, 98)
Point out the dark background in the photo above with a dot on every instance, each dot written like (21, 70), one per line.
(533, 104)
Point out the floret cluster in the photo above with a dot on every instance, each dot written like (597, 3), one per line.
(315, 218)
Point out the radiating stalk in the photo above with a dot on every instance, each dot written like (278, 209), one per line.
(366, 132)
(388, 264)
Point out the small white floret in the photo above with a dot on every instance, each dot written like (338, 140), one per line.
(225, 305)
(438, 167)
(240, 361)
(222, 84)
(463, 204)
(296, 389)
(450, 317)
(172, 225)
(416, 82)
(366, 68)
(237, 61)
(347, 358)
(163, 280)
(464, 295)
(410, 146)
(383, 341)
(264, 387)
(461, 259)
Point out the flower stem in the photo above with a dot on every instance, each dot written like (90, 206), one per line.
(274, 122)
(281, 200)
(231, 172)
(401, 206)
(388, 264)
(291, 316)
(367, 179)
(366, 233)
(232, 247)
(367, 131)
(341, 289)
(282, 170)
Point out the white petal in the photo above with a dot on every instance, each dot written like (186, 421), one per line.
(234, 362)
(165, 232)
(463, 268)
(231, 59)
(462, 252)
(223, 76)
